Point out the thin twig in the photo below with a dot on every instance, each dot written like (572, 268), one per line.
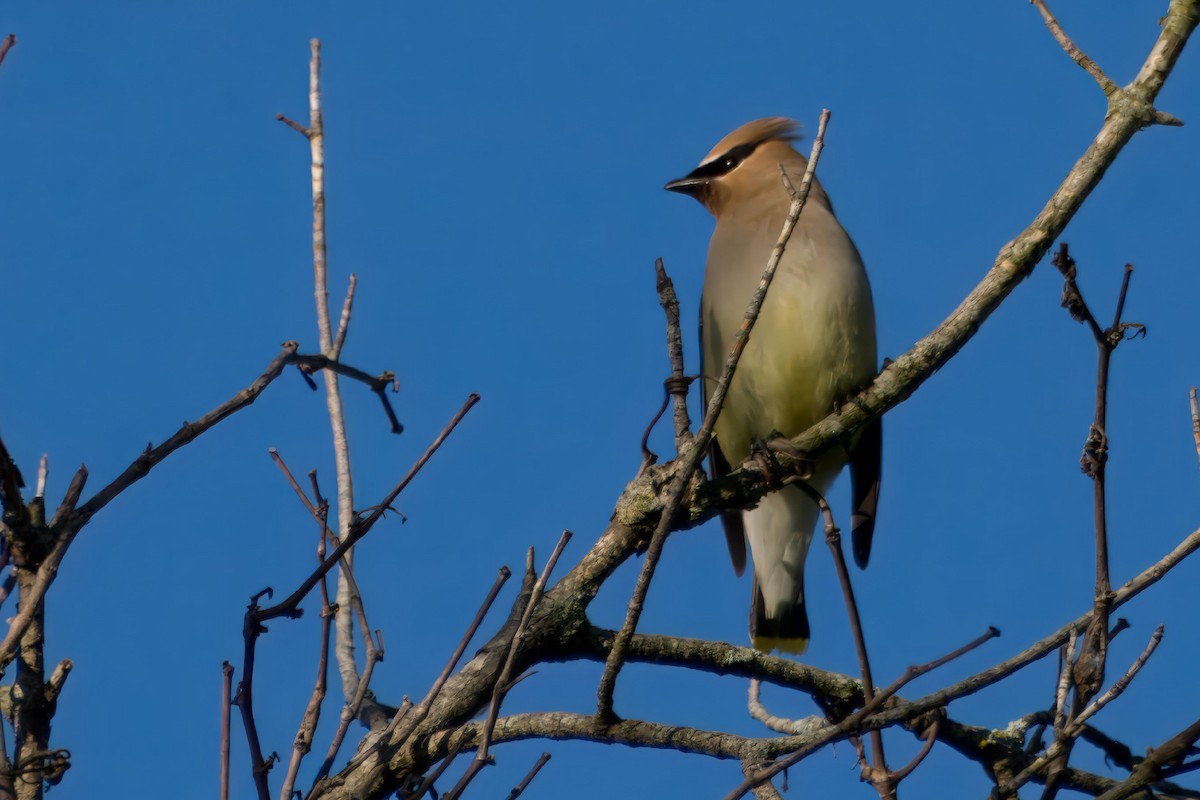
(315, 134)
(226, 694)
(1195, 419)
(1069, 730)
(1063, 687)
(7, 788)
(1077, 55)
(69, 520)
(878, 769)
(7, 45)
(302, 743)
(422, 709)
(350, 711)
(854, 721)
(1149, 770)
(252, 628)
(1117, 688)
(791, 727)
(930, 737)
(363, 526)
(344, 323)
(11, 484)
(43, 473)
(320, 512)
(678, 388)
(291, 123)
(520, 788)
(428, 781)
(691, 459)
(505, 681)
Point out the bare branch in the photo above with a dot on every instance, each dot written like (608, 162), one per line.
(363, 526)
(312, 713)
(520, 788)
(1077, 55)
(226, 702)
(43, 473)
(1117, 688)
(1195, 419)
(504, 682)
(1148, 771)
(426, 703)
(677, 385)
(930, 737)
(344, 324)
(69, 520)
(833, 540)
(7, 45)
(791, 727)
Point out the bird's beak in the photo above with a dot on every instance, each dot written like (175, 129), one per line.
(688, 184)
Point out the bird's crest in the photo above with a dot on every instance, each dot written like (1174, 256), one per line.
(754, 133)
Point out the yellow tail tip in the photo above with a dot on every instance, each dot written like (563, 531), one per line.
(769, 644)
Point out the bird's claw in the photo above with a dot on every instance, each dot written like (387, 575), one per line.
(763, 454)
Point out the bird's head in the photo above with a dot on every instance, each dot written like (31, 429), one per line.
(744, 165)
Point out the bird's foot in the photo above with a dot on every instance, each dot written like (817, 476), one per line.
(764, 452)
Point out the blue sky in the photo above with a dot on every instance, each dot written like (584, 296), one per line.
(494, 179)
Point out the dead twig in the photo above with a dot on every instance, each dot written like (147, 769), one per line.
(7, 45)
(790, 727)
(226, 702)
(875, 772)
(291, 606)
(1077, 55)
(677, 385)
(520, 788)
(1195, 404)
(505, 680)
(312, 713)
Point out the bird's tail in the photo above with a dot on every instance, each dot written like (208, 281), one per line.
(780, 530)
(788, 633)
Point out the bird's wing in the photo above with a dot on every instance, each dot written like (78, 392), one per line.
(864, 487)
(731, 521)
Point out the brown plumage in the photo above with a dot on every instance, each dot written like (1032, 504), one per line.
(812, 347)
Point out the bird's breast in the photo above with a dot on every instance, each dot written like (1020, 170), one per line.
(813, 343)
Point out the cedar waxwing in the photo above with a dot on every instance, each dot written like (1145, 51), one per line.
(812, 348)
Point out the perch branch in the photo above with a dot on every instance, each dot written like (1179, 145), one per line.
(640, 507)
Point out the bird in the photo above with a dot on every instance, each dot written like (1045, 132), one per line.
(812, 348)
